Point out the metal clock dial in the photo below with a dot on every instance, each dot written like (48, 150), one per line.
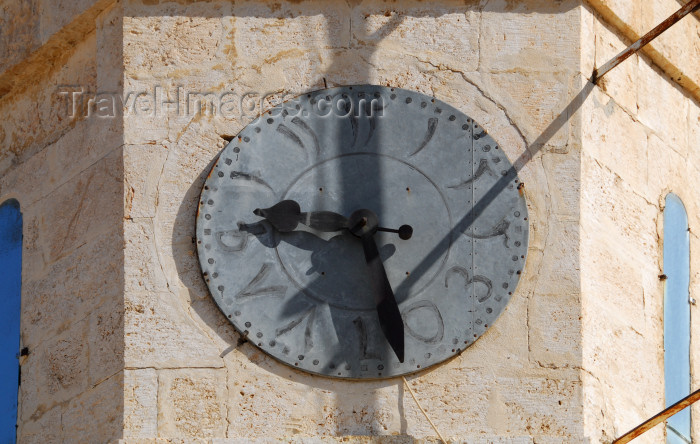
(302, 287)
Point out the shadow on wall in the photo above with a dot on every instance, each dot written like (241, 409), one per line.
(71, 189)
(352, 63)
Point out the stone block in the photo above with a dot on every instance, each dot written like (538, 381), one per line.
(82, 143)
(622, 82)
(80, 148)
(621, 13)
(305, 405)
(55, 372)
(142, 268)
(160, 332)
(143, 165)
(140, 403)
(104, 403)
(615, 140)
(106, 340)
(588, 44)
(628, 362)
(55, 15)
(262, 34)
(165, 44)
(507, 334)
(20, 182)
(66, 363)
(449, 38)
(68, 290)
(679, 44)
(37, 116)
(662, 107)
(109, 54)
(667, 169)
(456, 413)
(19, 32)
(81, 209)
(694, 135)
(32, 251)
(179, 186)
(616, 286)
(564, 179)
(669, 172)
(533, 36)
(554, 330)
(533, 103)
(181, 389)
(44, 429)
(597, 420)
(560, 272)
(616, 210)
(544, 406)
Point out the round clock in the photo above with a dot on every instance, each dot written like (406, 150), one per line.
(362, 232)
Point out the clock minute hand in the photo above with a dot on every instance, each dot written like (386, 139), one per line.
(388, 310)
(363, 224)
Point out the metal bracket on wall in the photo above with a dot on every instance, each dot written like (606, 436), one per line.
(598, 73)
(659, 417)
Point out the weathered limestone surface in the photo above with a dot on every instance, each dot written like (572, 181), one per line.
(675, 51)
(209, 385)
(67, 173)
(639, 144)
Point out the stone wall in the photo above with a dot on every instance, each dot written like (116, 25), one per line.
(67, 174)
(182, 352)
(640, 142)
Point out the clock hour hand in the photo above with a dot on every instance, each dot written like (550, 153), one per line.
(286, 215)
(364, 225)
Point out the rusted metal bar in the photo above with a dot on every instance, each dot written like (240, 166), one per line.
(689, 7)
(659, 417)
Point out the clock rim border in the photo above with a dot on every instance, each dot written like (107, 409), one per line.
(244, 338)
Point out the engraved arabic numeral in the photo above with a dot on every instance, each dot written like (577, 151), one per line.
(309, 315)
(500, 229)
(249, 178)
(233, 241)
(429, 133)
(422, 313)
(256, 289)
(307, 129)
(365, 353)
(367, 109)
(469, 281)
(483, 168)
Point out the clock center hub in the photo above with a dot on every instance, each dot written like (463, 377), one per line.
(363, 222)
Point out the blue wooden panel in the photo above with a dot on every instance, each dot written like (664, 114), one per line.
(676, 313)
(10, 281)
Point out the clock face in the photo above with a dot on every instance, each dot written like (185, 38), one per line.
(307, 297)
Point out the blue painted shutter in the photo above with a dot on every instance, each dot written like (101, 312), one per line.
(10, 281)
(676, 316)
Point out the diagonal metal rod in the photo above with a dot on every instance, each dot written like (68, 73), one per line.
(659, 417)
(598, 73)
